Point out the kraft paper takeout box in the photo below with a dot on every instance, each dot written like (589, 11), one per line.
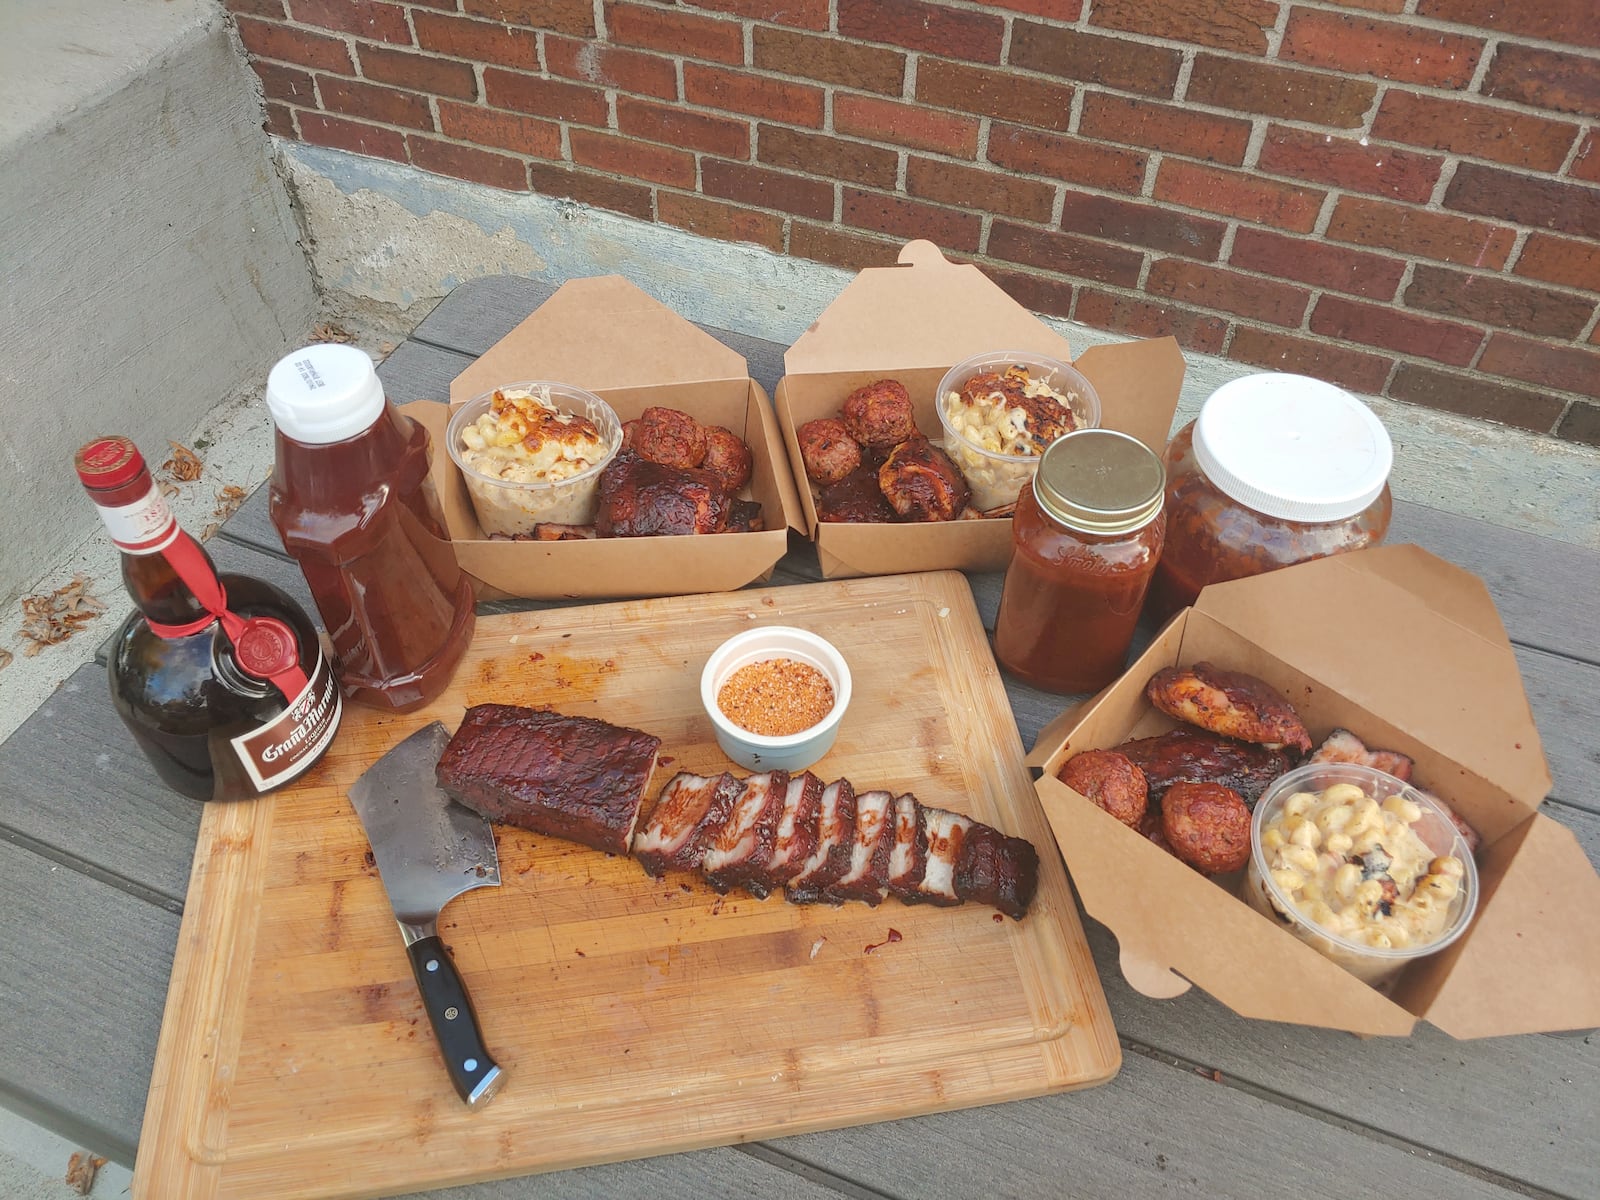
(1408, 652)
(913, 322)
(606, 335)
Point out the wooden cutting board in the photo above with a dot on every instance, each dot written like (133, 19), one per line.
(633, 1016)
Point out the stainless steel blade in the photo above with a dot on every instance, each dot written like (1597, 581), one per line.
(429, 849)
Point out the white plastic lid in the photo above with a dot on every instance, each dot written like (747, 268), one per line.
(324, 393)
(1292, 447)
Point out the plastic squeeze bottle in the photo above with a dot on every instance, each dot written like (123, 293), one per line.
(352, 500)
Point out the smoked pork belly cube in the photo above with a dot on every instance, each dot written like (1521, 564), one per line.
(908, 855)
(797, 834)
(686, 815)
(867, 877)
(945, 831)
(836, 828)
(575, 778)
(741, 849)
(997, 870)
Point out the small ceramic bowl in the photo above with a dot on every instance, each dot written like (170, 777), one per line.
(996, 477)
(792, 752)
(512, 507)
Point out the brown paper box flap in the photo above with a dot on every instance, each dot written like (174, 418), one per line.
(598, 334)
(926, 312)
(1531, 960)
(1138, 384)
(1180, 919)
(1355, 624)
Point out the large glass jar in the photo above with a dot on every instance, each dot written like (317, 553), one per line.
(1085, 540)
(1277, 469)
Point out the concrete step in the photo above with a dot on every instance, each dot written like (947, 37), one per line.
(152, 259)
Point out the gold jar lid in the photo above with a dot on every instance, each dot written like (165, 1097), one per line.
(1100, 481)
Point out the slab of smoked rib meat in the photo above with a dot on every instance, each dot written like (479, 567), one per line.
(1196, 756)
(830, 844)
(574, 778)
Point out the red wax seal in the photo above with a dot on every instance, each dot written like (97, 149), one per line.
(265, 647)
(108, 462)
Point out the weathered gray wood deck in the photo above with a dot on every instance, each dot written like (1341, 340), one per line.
(95, 856)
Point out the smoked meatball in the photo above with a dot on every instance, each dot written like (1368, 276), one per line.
(879, 415)
(1207, 826)
(1111, 781)
(727, 457)
(670, 437)
(828, 450)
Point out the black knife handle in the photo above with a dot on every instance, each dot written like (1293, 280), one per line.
(477, 1077)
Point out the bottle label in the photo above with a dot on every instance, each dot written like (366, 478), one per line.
(289, 743)
(144, 527)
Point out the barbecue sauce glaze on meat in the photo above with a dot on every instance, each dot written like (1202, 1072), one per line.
(1194, 756)
(573, 778)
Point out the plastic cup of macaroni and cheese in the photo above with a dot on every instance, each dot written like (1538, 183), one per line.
(531, 453)
(1362, 867)
(997, 447)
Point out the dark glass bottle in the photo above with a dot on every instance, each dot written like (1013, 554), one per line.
(220, 679)
(353, 502)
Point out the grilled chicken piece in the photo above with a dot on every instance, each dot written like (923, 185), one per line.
(568, 777)
(836, 828)
(908, 858)
(639, 498)
(921, 483)
(741, 849)
(689, 812)
(855, 500)
(796, 839)
(946, 831)
(1230, 703)
(1342, 746)
(1195, 756)
(867, 877)
(997, 870)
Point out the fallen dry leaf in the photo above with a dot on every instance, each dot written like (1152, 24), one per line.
(47, 620)
(228, 501)
(184, 465)
(5, 659)
(82, 1167)
(331, 331)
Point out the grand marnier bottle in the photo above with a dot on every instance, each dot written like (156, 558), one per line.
(220, 679)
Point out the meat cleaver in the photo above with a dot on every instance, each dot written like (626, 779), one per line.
(429, 850)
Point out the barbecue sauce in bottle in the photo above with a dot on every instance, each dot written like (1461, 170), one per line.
(1085, 540)
(352, 500)
(220, 678)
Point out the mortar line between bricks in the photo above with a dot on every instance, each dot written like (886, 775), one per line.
(1327, 1117)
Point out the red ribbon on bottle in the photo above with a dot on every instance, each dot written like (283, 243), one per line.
(264, 647)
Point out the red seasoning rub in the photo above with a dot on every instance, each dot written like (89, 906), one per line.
(574, 778)
(776, 697)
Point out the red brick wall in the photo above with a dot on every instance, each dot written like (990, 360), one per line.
(1402, 196)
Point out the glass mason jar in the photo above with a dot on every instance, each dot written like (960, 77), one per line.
(1276, 470)
(1085, 540)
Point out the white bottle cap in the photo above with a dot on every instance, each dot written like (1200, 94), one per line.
(324, 393)
(1292, 447)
